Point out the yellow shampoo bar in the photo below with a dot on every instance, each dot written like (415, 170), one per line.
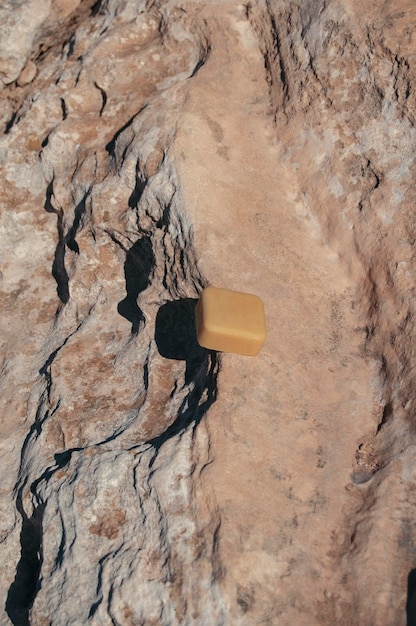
(230, 321)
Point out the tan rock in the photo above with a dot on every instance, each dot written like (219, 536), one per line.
(266, 148)
(27, 74)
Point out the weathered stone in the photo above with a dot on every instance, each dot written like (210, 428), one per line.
(27, 74)
(267, 148)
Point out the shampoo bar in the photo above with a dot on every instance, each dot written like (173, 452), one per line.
(230, 321)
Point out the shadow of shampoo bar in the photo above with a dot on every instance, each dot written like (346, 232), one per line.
(230, 321)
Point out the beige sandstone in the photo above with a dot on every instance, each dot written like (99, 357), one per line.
(150, 149)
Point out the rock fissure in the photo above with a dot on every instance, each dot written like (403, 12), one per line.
(23, 590)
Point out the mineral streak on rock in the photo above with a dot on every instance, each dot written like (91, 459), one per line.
(152, 148)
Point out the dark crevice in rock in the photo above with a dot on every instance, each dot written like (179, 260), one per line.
(63, 458)
(70, 45)
(138, 268)
(58, 266)
(136, 194)
(22, 591)
(79, 59)
(12, 121)
(62, 544)
(99, 594)
(164, 221)
(98, 8)
(59, 271)
(201, 61)
(64, 109)
(103, 96)
(146, 373)
(45, 141)
(218, 571)
(411, 599)
(77, 223)
(387, 413)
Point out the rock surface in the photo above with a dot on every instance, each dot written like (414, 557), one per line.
(151, 148)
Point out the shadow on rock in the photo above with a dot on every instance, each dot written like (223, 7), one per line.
(175, 332)
(23, 590)
(138, 268)
(411, 599)
(175, 336)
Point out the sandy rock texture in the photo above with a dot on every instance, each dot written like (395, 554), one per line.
(148, 149)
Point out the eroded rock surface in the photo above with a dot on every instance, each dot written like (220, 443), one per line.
(150, 149)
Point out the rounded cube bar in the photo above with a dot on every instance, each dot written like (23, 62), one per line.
(230, 321)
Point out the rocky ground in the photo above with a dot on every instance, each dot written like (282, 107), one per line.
(148, 149)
